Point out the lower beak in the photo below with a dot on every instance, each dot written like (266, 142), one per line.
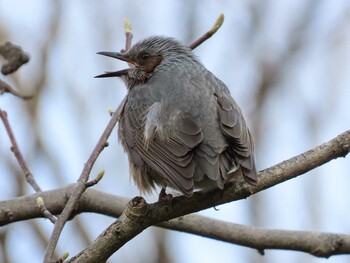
(118, 73)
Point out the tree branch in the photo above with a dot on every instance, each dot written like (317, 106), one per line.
(315, 243)
(82, 181)
(218, 23)
(79, 188)
(22, 163)
(15, 57)
(94, 201)
(6, 88)
(21, 208)
(16, 151)
(139, 215)
(128, 35)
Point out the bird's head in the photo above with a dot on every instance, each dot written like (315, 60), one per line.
(147, 57)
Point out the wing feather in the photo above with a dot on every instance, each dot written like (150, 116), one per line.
(171, 158)
(236, 132)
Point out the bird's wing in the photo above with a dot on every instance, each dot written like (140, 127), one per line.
(235, 130)
(171, 157)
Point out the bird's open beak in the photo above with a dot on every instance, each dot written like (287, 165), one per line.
(120, 56)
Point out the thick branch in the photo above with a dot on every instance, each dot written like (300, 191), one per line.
(315, 243)
(22, 208)
(157, 212)
(25, 207)
(318, 244)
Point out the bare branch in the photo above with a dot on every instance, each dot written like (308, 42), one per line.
(79, 188)
(6, 88)
(19, 156)
(44, 211)
(94, 201)
(128, 35)
(315, 243)
(97, 179)
(84, 177)
(22, 163)
(318, 244)
(210, 33)
(139, 215)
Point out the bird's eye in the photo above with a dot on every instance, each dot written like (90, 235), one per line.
(145, 56)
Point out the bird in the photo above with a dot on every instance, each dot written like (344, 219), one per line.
(178, 123)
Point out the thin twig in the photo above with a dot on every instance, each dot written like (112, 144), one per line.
(83, 184)
(6, 88)
(44, 211)
(128, 35)
(96, 180)
(79, 188)
(19, 156)
(22, 163)
(210, 33)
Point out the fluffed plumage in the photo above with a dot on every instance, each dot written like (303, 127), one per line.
(179, 124)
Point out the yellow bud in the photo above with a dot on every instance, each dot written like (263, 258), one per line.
(127, 26)
(40, 201)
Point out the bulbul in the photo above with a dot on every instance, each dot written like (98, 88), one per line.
(179, 125)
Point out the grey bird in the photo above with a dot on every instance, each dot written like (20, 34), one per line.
(179, 124)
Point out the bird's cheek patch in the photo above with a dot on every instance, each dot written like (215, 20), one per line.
(152, 63)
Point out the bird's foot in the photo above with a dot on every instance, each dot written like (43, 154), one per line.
(164, 197)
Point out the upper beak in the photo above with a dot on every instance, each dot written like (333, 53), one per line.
(120, 56)
(117, 55)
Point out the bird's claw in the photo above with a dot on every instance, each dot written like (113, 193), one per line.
(164, 197)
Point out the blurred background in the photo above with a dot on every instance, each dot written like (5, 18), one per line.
(286, 63)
